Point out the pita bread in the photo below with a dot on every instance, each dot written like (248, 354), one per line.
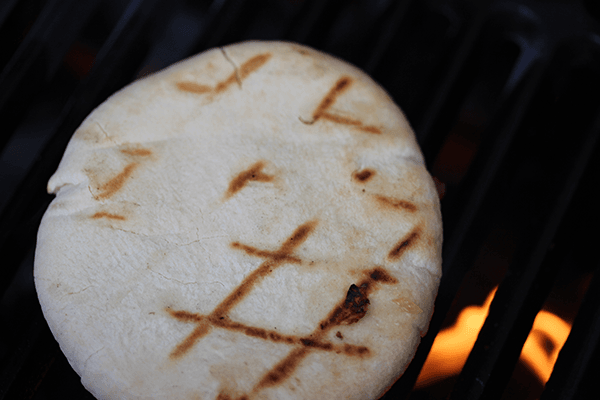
(255, 222)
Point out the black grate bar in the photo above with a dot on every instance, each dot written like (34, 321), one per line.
(357, 27)
(387, 32)
(19, 17)
(426, 132)
(416, 56)
(222, 17)
(313, 22)
(29, 361)
(5, 9)
(38, 57)
(172, 46)
(456, 261)
(510, 304)
(113, 68)
(499, 135)
(576, 356)
(234, 24)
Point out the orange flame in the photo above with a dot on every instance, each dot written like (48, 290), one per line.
(548, 335)
(453, 345)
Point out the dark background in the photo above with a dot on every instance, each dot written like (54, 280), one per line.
(503, 97)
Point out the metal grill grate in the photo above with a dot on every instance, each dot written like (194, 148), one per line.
(503, 96)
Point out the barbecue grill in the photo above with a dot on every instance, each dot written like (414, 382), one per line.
(503, 97)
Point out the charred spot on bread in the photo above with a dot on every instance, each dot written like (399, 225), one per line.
(353, 308)
(364, 175)
(356, 303)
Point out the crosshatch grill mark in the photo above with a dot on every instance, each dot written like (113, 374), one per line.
(237, 76)
(321, 112)
(218, 317)
(348, 311)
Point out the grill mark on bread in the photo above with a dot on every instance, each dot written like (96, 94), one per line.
(340, 86)
(378, 274)
(321, 111)
(283, 369)
(254, 173)
(201, 329)
(137, 152)
(370, 129)
(350, 121)
(404, 244)
(349, 311)
(395, 203)
(219, 315)
(273, 261)
(104, 214)
(253, 64)
(225, 396)
(363, 176)
(115, 184)
(261, 333)
(278, 256)
(193, 87)
(241, 73)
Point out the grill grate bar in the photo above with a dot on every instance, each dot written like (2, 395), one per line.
(312, 22)
(223, 17)
(428, 129)
(387, 32)
(579, 352)
(5, 9)
(513, 310)
(37, 58)
(462, 245)
(28, 366)
(490, 161)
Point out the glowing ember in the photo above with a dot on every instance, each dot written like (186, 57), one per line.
(453, 345)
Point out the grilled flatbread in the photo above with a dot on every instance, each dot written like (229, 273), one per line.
(255, 222)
